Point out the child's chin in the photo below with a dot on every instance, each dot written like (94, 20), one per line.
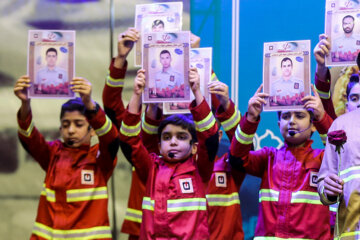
(175, 159)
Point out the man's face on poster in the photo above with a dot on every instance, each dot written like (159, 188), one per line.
(165, 60)
(348, 24)
(158, 28)
(286, 68)
(51, 58)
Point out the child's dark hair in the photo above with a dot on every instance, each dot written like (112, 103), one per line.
(354, 79)
(75, 104)
(184, 121)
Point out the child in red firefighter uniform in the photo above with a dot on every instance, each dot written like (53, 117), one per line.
(174, 205)
(290, 206)
(114, 108)
(74, 200)
(222, 193)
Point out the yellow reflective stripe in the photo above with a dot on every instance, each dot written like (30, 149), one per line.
(86, 194)
(147, 127)
(232, 121)
(205, 124)
(242, 137)
(148, 204)
(277, 238)
(305, 197)
(214, 77)
(133, 215)
(268, 195)
(105, 128)
(323, 95)
(130, 131)
(223, 199)
(323, 138)
(354, 168)
(48, 193)
(186, 204)
(27, 132)
(347, 234)
(73, 234)
(350, 173)
(113, 82)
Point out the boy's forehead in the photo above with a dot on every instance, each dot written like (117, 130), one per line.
(73, 115)
(171, 128)
(297, 111)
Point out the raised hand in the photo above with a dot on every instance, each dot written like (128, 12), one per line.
(84, 88)
(255, 105)
(221, 90)
(21, 86)
(314, 103)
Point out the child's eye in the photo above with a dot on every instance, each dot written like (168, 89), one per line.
(165, 137)
(182, 136)
(354, 98)
(79, 125)
(300, 115)
(285, 116)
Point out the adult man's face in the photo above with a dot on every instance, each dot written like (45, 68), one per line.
(348, 25)
(286, 68)
(158, 28)
(51, 58)
(165, 60)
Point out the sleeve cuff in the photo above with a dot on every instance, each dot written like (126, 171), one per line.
(247, 126)
(24, 124)
(323, 125)
(201, 111)
(117, 73)
(223, 114)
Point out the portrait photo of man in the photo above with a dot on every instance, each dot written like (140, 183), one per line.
(158, 26)
(345, 47)
(51, 78)
(288, 89)
(168, 81)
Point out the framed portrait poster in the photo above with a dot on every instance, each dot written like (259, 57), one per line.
(201, 58)
(166, 61)
(342, 25)
(156, 17)
(286, 74)
(51, 63)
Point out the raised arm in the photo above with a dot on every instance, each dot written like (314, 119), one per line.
(31, 139)
(130, 140)
(254, 162)
(112, 93)
(149, 127)
(322, 121)
(322, 75)
(226, 112)
(104, 129)
(206, 127)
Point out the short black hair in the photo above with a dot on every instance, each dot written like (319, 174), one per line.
(348, 16)
(51, 50)
(354, 79)
(157, 23)
(184, 121)
(284, 60)
(72, 105)
(165, 51)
